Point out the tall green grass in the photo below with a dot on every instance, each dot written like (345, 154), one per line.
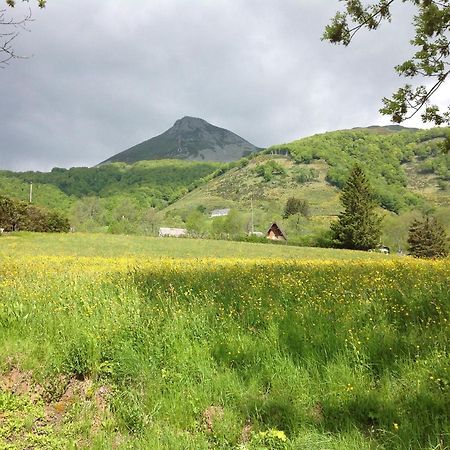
(232, 354)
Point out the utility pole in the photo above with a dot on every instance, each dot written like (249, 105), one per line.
(251, 205)
(31, 192)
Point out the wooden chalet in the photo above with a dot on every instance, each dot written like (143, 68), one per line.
(275, 233)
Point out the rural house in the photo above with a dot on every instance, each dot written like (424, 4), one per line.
(275, 234)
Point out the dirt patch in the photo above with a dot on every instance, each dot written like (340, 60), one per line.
(246, 433)
(316, 413)
(210, 415)
(20, 383)
(57, 398)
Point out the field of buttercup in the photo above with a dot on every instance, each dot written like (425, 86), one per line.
(223, 353)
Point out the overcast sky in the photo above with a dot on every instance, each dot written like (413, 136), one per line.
(104, 76)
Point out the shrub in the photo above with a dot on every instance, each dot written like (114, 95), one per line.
(296, 206)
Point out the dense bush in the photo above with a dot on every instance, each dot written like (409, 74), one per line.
(15, 215)
(304, 174)
(296, 206)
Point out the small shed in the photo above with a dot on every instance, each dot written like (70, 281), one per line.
(172, 232)
(220, 212)
(275, 233)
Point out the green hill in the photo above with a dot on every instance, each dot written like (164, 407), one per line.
(407, 170)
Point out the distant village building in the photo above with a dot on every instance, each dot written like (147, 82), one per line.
(275, 234)
(220, 212)
(172, 232)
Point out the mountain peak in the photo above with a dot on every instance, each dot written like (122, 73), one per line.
(190, 138)
(189, 123)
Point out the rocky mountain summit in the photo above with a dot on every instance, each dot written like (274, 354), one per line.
(190, 138)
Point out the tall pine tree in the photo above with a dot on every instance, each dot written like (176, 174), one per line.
(359, 226)
(427, 239)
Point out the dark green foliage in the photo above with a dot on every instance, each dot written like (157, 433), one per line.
(160, 180)
(38, 219)
(296, 206)
(358, 227)
(427, 238)
(15, 215)
(104, 198)
(9, 214)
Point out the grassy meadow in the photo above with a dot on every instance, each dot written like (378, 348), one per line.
(111, 246)
(140, 343)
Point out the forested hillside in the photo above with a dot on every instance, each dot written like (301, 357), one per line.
(97, 198)
(383, 153)
(156, 181)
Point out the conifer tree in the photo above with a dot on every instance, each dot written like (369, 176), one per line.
(427, 238)
(359, 226)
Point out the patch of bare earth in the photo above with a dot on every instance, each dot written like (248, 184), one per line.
(72, 391)
(210, 415)
(246, 433)
(20, 383)
(316, 413)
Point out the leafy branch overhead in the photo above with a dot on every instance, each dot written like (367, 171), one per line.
(10, 28)
(430, 59)
(12, 3)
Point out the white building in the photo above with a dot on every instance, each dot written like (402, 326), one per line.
(172, 232)
(220, 212)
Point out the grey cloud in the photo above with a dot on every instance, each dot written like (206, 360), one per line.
(107, 75)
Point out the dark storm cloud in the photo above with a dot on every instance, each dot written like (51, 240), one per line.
(107, 75)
